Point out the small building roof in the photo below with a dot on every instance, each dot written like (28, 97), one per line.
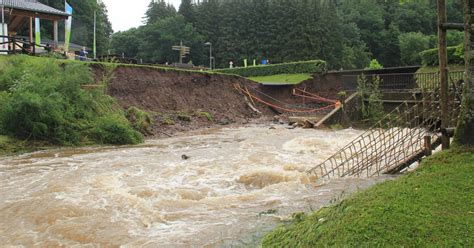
(32, 5)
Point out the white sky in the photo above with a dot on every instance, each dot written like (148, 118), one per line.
(129, 14)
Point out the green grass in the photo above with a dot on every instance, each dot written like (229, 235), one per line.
(12, 146)
(282, 78)
(430, 207)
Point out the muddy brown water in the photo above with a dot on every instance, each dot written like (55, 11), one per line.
(236, 185)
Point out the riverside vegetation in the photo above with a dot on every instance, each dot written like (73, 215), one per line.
(41, 99)
(431, 207)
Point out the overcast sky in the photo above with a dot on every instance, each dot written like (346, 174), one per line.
(129, 14)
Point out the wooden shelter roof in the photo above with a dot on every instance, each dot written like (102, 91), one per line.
(33, 8)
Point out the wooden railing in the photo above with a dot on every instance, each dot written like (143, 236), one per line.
(20, 46)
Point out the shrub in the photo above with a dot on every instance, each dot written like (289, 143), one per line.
(167, 121)
(141, 120)
(372, 106)
(430, 57)
(313, 66)
(375, 65)
(114, 129)
(207, 115)
(411, 44)
(42, 99)
(29, 115)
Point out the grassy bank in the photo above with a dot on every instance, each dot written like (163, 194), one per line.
(12, 146)
(432, 207)
(282, 78)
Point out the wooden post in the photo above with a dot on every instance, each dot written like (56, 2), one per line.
(55, 33)
(443, 70)
(428, 147)
(31, 30)
(342, 99)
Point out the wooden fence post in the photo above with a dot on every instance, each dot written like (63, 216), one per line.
(428, 147)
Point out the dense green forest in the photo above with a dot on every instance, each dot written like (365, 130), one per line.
(346, 33)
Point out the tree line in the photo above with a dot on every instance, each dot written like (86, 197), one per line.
(346, 33)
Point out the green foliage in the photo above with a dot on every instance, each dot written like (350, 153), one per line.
(141, 120)
(374, 65)
(108, 70)
(465, 129)
(411, 45)
(372, 106)
(459, 51)
(207, 115)
(344, 33)
(186, 10)
(283, 78)
(313, 67)
(126, 43)
(426, 208)
(12, 146)
(159, 10)
(430, 57)
(168, 121)
(454, 37)
(115, 129)
(156, 39)
(42, 99)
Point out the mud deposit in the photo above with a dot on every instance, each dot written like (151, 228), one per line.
(234, 186)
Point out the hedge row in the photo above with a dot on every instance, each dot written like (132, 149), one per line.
(313, 66)
(430, 57)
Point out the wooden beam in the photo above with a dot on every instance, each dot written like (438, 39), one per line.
(16, 22)
(24, 13)
(31, 30)
(452, 26)
(443, 70)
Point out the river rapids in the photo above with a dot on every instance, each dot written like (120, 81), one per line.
(231, 187)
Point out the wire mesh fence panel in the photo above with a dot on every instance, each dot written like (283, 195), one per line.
(398, 138)
(400, 81)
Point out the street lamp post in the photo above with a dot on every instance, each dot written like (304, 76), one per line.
(210, 53)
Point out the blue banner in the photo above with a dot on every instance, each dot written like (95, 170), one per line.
(37, 31)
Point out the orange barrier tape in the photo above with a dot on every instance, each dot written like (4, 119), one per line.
(313, 96)
(237, 87)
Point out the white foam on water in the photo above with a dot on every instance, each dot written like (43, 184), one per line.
(148, 195)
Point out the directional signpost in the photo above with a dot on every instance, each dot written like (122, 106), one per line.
(183, 51)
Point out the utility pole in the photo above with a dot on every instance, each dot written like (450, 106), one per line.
(3, 24)
(210, 53)
(443, 70)
(94, 49)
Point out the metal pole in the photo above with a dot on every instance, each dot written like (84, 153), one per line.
(210, 56)
(443, 70)
(3, 22)
(95, 48)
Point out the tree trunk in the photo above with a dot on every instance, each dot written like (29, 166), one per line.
(465, 130)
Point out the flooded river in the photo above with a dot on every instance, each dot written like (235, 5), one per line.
(235, 185)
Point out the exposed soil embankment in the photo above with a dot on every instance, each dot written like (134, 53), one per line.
(184, 100)
(286, 96)
(180, 100)
(325, 86)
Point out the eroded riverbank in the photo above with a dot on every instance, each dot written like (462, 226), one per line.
(148, 195)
